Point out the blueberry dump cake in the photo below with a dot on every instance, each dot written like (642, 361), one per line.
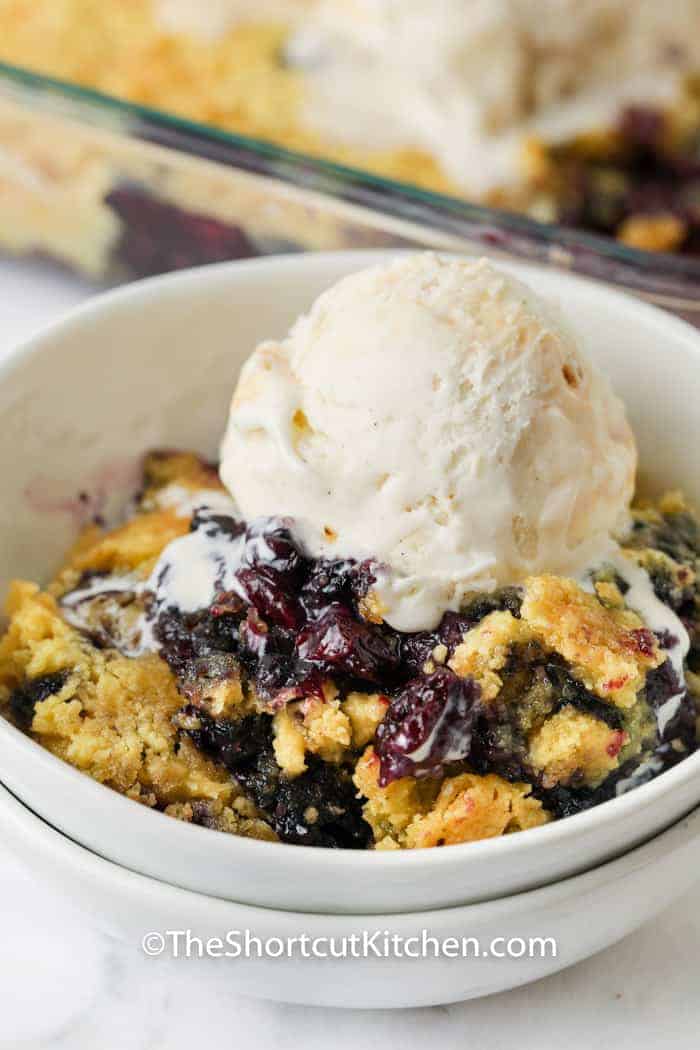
(582, 112)
(457, 625)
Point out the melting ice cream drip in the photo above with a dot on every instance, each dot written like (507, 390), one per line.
(660, 619)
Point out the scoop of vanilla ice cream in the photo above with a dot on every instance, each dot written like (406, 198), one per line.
(471, 80)
(434, 415)
(443, 77)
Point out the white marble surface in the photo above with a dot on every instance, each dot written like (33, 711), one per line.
(64, 985)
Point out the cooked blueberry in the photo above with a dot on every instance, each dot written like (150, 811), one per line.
(339, 643)
(269, 544)
(275, 602)
(661, 684)
(267, 652)
(429, 724)
(342, 580)
(272, 571)
(417, 648)
(454, 626)
(681, 730)
(666, 639)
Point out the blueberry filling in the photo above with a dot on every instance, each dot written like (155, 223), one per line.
(272, 571)
(643, 175)
(193, 642)
(317, 808)
(569, 690)
(292, 620)
(339, 581)
(24, 698)
(565, 801)
(428, 725)
(677, 535)
(158, 237)
(338, 643)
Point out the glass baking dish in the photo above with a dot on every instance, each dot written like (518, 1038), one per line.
(118, 191)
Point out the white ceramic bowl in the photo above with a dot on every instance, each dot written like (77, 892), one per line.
(154, 364)
(582, 915)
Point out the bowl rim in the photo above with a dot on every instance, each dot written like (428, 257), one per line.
(171, 286)
(96, 868)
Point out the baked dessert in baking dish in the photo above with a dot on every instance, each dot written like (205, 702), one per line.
(581, 113)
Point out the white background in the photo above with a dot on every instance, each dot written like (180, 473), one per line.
(63, 985)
